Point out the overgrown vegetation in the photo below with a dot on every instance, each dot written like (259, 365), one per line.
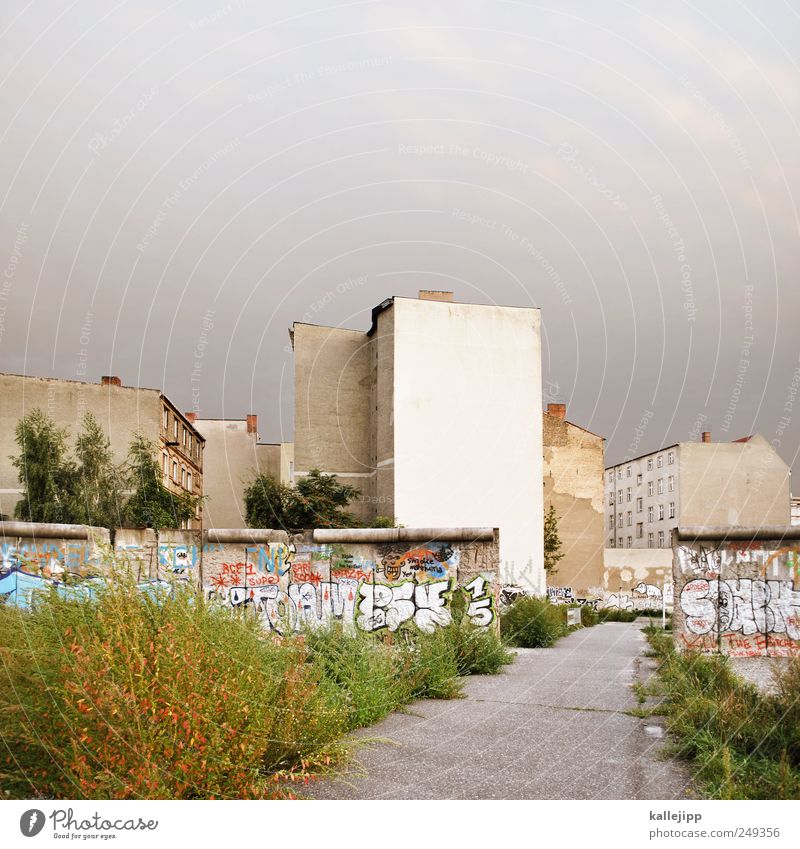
(617, 614)
(532, 622)
(131, 695)
(85, 486)
(744, 744)
(317, 500)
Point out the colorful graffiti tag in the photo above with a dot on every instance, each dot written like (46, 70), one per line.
(738, 599)
(321, 584)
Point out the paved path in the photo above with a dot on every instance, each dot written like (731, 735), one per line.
(552, 726)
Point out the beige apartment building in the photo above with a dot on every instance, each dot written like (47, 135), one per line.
(743, 482)
(233, 457)
(429, 415)
(574, 463)
(121, 411)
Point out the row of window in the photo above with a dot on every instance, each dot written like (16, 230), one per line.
(651, 514)
(651, 486)
(659, 463)
(180, 474)
(628, 541)
(181, 434)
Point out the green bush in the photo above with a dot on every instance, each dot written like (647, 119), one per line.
(128, 696)
(589, 616)
(745, 745)
(533, 623)
(131, 695)
(616, 614)
(371, 677)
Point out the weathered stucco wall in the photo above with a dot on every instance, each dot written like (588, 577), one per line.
(120, 411)
(637, 578)
(363, 582)
(573, 484)
(333, 419)
(733, 483)
(737, 596)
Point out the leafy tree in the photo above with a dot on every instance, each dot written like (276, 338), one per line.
(552, 542)
(265, 502)
(151, 504)
(316, 501)
(99, 483)
(45, 470)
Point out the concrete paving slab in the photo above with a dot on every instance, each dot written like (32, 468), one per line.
(554, 725)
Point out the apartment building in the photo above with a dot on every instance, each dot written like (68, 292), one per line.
(122, 411)
(743, 482)
(573, 486)
(429, 414)
(233, 456)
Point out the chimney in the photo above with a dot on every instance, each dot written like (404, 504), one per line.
(435, 295)
(558, 411)
(706, 436)
(110, 380)
(191, 417)
(252, 423)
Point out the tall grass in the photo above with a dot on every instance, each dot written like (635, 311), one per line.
(533, 623)
(130, 696)
(744, 745)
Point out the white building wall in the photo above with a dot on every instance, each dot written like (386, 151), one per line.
(468, 425)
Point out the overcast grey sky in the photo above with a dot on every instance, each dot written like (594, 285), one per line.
(208, 172)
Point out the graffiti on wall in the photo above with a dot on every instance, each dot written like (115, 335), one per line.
(20, 588)
(47, 557)
(739, 599)
(322, 584)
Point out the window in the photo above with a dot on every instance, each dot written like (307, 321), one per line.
(611, 476)
(611, 522)
(619, 520)
(649, 487)
(174, 471)
(650, 514)
(660, 461)
(649, 464)
(670, 458)
(619, 474)
(630, 542)
(628, 472)
(672, 509)
(650, 540)
(166, 419)
(165, 462)
(639, 504)
(191, 443)
(639, 530)
(639, 479)
(660, 512)
(661, 486)
(183, 476)
(661, 539)
(611, 497)
(611, 542)
(671, 483)
(189, 481)
(619, 496)
(628, 494)
(619, 541)
(630, 518)
(175, 430)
